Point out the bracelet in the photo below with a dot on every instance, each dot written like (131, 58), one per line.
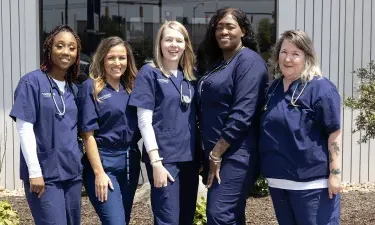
(214, 159)
(156, 160)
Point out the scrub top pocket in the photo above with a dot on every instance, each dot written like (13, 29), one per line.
(310, 163)
(300, 122)
(48, 161)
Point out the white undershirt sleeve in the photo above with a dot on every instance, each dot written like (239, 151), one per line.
(145, 126)
(28, 147)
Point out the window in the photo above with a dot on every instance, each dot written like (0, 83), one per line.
(137, 21)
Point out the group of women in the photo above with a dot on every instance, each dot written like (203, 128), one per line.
(224, 125)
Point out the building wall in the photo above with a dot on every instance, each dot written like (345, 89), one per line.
(343, 32)
(19, 53)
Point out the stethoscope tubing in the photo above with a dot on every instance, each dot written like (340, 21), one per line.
(59, 112)
(293, 100)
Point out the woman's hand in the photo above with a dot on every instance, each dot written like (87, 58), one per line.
(215, 158)
(334, 185)
(213, 173)
(37, 185)
(161, 175)
(102, 181)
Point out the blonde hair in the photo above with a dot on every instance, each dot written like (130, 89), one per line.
(97, 71)
(187, 60)
(302, 41)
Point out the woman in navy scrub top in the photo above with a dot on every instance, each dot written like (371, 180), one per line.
(108, 126)
(230, 97)
(300, 136)
(165, 101)
(46, 118)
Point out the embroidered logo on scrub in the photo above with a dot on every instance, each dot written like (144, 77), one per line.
(163, 81)
(47, 94)
(101, 98)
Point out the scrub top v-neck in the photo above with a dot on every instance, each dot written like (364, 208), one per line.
(294, 139)
(173, 121)
(56, 135)
(229, 102)
(112, 119)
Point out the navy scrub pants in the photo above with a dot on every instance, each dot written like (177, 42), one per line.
(59, 205)
(226, 202)
(305, 207)
(122, 166)
(175, 203)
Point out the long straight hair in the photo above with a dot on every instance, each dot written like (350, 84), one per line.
(187, 60)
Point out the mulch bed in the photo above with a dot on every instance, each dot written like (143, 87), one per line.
(357, 209)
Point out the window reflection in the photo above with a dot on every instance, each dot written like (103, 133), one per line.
(137, 21)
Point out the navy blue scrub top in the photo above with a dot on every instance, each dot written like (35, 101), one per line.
(173, 122)
(230, 101)
(113, 121)
(56, 136)
(294, 140)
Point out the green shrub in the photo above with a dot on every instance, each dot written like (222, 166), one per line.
(7, 215)
(365, 102)
(260, 188)
(200, 217)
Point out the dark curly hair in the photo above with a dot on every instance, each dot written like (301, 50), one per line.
(46, 65)
(209, 51)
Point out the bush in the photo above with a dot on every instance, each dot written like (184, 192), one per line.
(7, 215)
(260, 188)
(200, 217)
(365, 121)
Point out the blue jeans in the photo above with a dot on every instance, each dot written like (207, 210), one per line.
(122, 166)
(305, 207)
(59, 205)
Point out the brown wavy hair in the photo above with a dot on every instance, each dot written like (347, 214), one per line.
(46, 65)
(97, 71)
(187, 60)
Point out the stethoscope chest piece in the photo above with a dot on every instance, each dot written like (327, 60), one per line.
(185, 99)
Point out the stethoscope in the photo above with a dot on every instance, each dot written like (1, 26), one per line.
(59, 112)
(185, 100)
(293, 100)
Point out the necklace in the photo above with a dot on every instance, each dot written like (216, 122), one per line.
(273, 92)
(217, 67)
